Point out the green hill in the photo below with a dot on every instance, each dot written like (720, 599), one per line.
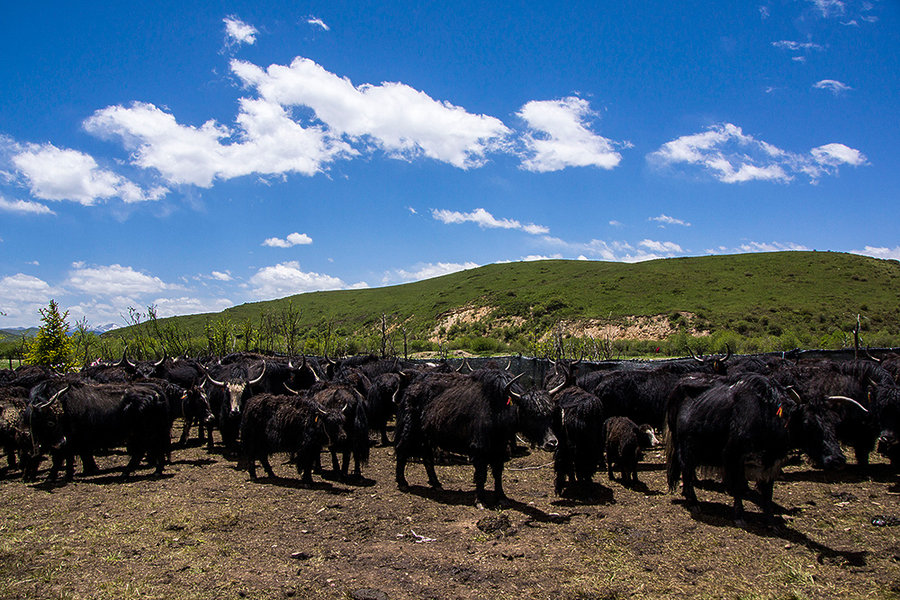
(756, 301)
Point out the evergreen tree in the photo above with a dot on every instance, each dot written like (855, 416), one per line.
(52, 346)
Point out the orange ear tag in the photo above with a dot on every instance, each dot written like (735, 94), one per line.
(779, 413)
(509, 401)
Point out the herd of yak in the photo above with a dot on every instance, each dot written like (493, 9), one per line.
(742, 416)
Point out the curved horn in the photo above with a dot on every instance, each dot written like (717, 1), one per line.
(319, 409)
(52, 399)
(691, 352)
(878, 360)
(559, 387)
(220, 384)
(728, 355)
(790, 390)
(459, 368)
(161, 361)
(507, 390)
(344, 409)
(294, 392)
(508, 365)
(261, 375)
(847, 399)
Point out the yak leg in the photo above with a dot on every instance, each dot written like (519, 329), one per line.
(428, 461)
(264, 461)
(688, 478)
(335, 465)
(88, 464)
(766, 489)
(480, 479)
(57, 460)
(186, 430)
(497, 472)
(345, 463)
(400, 473)
(384, 437)
(251, 466)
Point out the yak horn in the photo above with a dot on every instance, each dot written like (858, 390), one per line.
(294, 392)
(261, 375)
(691, 352)
(847, 399)
(559, 387)
(508, 388)
(220, 384)
(52, 399)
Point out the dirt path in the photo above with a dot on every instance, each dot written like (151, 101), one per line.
(206, 531)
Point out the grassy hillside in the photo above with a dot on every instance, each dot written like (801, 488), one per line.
(811, 298)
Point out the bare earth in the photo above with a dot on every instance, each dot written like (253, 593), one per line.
(205, 531)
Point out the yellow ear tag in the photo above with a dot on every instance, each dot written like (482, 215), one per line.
(780, 412)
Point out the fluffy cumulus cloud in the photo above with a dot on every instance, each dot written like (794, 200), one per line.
(293, 239)
(286, 279)
(731, 156)
(402, 121)
(238, 32)
(113, 280)
(21, 298)
(267, 142)
(832, 85)
(880, 252)
(559, 137)
(486, 220)
(24, 207)
(425, 271)
(53, 173)
(186, 305)
(664, 220)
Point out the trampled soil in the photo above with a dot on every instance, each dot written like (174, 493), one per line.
(206, 531)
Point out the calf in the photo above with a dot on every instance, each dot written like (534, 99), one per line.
(625, 443)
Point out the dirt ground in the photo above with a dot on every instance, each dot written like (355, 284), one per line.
(205, 530)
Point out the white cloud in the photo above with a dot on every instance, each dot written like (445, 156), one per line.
(268, 142)
(797, 46)
(318, 22)
(21, 298)
(560, 138)
(616, 223)
(486, 220)
(829, 8)
(770, 247)
(402, 121)
(239, 32)
(880, 252)
(24, 207)
(186, 305)
(221, 276)
(664, 248)
(667, 220)
(286, 279)
(833, 86)
(731, 156)
(618, 251)
(114, 280)
(293, 239)
(425, 271)
(60, 174)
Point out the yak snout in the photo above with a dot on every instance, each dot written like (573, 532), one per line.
(550, 442)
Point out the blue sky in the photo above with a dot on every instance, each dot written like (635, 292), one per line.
(197, 157)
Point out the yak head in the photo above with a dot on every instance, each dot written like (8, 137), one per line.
(44, 416)
(237, 389)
